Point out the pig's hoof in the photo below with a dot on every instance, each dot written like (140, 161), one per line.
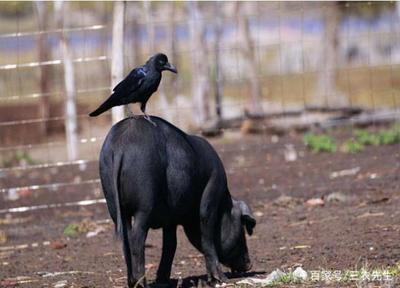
(222, 277)
(141, 283)
(161, 284)
(217, 280)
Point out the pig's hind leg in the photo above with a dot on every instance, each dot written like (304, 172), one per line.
(137, 235)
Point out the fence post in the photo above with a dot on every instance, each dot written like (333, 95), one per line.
(218, 72)
(117, 58)
(44, 51)
(201, 109)
(249, 55)
(69, 82)
(326, 93)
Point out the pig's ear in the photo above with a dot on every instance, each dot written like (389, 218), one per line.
(247, 217)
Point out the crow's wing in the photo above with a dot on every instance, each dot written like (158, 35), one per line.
(131, 82)
(123, 90)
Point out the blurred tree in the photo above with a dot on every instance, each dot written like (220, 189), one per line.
(134, 11)
(171, 47)
(247, 50)
(152, 49)
(150, 27)
(370, 10)
(326, 93)
(69, 82)
(15, 8)
(44, 50)
(218, 30)
(117, 57)
(198, 56)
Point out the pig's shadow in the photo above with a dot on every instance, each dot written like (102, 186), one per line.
(201, 280)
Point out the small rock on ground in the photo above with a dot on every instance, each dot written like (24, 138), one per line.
(60, 284)
(273, 276)
(300, 273)
(337, 197)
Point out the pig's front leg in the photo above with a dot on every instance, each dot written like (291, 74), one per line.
(168, 253)
(208, 221)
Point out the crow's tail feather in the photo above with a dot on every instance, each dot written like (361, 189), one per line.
(103, 107)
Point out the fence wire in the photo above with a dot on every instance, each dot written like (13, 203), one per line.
(298, 54)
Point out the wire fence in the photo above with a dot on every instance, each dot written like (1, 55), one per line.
(294, 55)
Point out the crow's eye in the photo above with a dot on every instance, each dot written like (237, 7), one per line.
(161, 62)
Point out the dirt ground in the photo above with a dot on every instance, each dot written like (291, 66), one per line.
(358, 224)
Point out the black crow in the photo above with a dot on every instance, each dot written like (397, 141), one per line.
(138, 86)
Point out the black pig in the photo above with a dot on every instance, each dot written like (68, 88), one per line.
(162, 177)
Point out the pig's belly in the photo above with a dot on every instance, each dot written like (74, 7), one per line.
(179, 202)
(184, 190)
(176, 213)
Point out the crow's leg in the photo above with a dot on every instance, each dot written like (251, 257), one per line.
(147, 117)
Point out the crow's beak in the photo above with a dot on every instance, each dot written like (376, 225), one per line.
(170, 67)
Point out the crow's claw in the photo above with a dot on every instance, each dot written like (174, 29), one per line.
(147, 117)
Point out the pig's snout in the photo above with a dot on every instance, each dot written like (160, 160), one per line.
(242, 268)
(248, 267)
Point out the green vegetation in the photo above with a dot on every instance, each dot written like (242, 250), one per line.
(18, 158)
(357, 143)
(74, 229)
(384, 137)
(390, 137)
(395, 270)
(23, 156)
(320, 143)
(364, 137)
(71, 229)
(352, 146)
